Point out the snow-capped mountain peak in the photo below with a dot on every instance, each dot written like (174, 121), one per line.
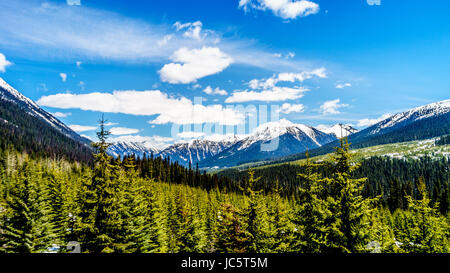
(339, 130)
(272, 130)
(415, 114)
(122, 148)
(8, 93)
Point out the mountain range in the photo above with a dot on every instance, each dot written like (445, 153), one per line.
(292, 140)
(30, 128)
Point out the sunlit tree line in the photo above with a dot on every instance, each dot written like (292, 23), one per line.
(45, 204)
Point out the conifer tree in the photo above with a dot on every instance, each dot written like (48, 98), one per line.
(280, 230)
(253, 215)
(231, 236)
(100, 223)
(425, 230)
(349, 219)
(58, 202)
(312, 211)
(25, 227)
(138, 211)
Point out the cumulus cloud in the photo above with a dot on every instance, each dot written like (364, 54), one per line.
(111, 123)
(217, 91)
(343, 85)
(123, 131)
(82, 128)
(193, 30)
(287, 77)
(331, 107)
(63, 76)
(369, 122)
(61, 115)
(73, 2)
(3, 63)
(286, 9)
(273, 94)
(287, 108)
(192, 64)
(165, 40)
(146, 103)
(60, 32)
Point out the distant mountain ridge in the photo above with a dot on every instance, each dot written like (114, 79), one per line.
(428, 121)
(270, 140)
(29, 128)
(292, 140)
(338, 130)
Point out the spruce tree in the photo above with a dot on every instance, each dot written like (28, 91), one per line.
(312, 211)
(350, 212)
(424, 229)
(280, 233)
(253, 215)
(100, 224)
(231, 236)
(25, 227)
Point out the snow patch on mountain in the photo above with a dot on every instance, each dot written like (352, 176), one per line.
(415, 114)
(7, 92)
(339, 130)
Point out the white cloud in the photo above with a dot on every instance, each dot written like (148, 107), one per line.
(194, 30)
(271, 92)
(343, 85)
(3, 63)
(165, 40)
(146, 103)
(190, 134)
(61, 115)
(286, 9)
(82, 128)
(111, 123)
(123, 131)
(331, 107)
(287, 77)
(194, 64)
(74, 2)
(217, 91)
(287, 108)
(63, 76)
(290, 55)
(60, 32)
(368, 122)
(274, 94)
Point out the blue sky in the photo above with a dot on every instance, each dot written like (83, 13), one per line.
(149, 64)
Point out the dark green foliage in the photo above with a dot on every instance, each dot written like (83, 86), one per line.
(24, 226)
(390, 177)
(230, 232)
(145, 205)
(422, 229)
(312, 211)
(444, 140)
(36, 137)
(350, 212)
